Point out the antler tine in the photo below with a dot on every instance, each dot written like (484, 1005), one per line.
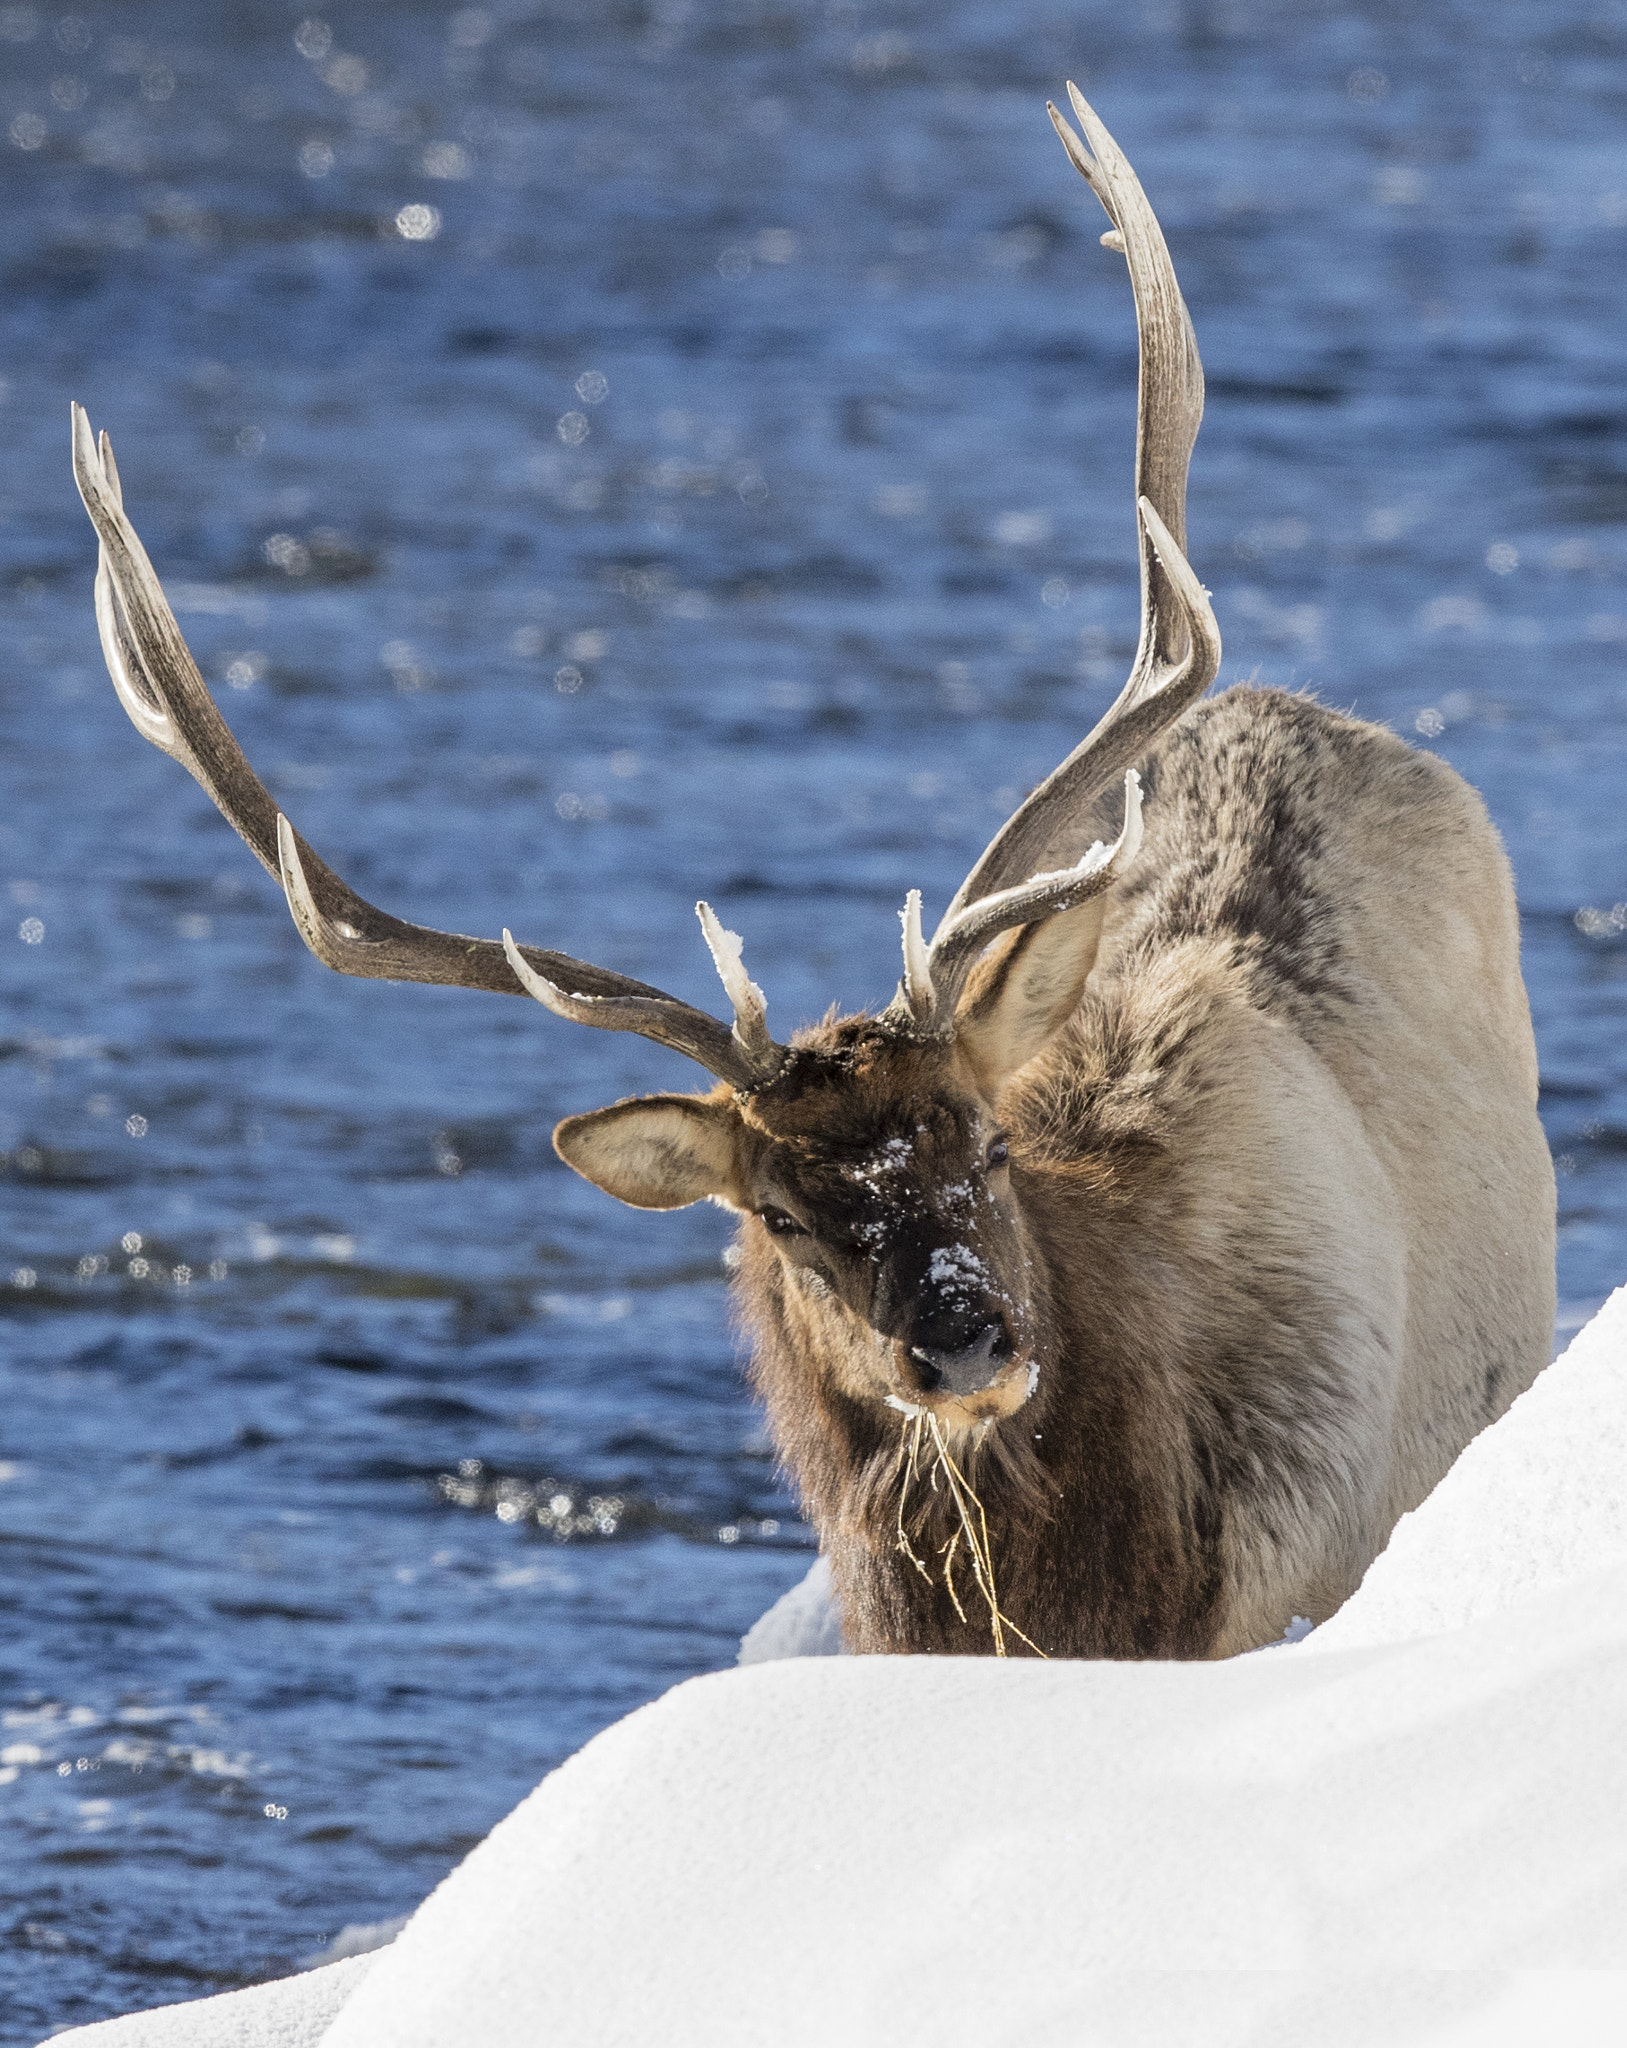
(119, 650)
(916, 994)
(168, 702)
(155, 676)
(745, 1063)
(751, 1033)
(960, 938)
(689, 1031)
(1089, 169)
(1179, 652)
(927, 998)
(1169, 401)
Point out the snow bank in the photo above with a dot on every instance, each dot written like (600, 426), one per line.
(295, 2012)
(1539, 1498)
(1422, 1799)
(872, 1850)
(801, 1623)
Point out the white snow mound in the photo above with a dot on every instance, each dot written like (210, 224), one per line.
(1405, 1830)
(295, 2012)
(1539, 1498)
(802, 1623)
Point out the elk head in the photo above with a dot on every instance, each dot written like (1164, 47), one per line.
(869, 1152)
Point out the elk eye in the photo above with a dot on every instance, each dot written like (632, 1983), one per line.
(779, 1224)
(998, 1153)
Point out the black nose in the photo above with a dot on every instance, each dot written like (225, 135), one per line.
(974, 1366)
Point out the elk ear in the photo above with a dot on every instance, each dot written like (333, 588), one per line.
(657, 1152)
(1024, 990)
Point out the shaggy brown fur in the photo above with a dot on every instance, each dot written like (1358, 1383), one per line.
(1276, 1234)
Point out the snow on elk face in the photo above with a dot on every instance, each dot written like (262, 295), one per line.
(886, 1192)
(877, 1181)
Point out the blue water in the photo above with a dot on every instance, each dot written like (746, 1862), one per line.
(730, 497)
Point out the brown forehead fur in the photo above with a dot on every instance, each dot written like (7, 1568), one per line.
(852, 1082)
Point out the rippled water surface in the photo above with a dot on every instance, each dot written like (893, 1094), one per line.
(605, 456)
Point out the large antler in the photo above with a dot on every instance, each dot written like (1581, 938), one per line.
(1179, 652)
(169, 704)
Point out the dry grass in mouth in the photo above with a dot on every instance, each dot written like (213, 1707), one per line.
(973, 1527)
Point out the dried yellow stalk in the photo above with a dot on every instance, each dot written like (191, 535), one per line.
(974, 1532)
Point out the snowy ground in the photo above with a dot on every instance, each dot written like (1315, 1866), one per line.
(1404, 1829)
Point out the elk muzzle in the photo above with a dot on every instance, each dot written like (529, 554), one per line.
(966, 1368)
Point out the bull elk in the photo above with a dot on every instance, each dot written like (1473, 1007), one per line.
(1185, 1212)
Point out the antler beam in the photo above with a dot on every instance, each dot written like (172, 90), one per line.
(1179, 652)
(1178, 657)
(1026, 873)
(168, 702)
(959, 939)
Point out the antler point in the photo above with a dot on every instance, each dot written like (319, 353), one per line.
(919, 994)
(749, 1003)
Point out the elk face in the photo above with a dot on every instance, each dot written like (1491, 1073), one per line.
(883, 1187)
(876, 1174)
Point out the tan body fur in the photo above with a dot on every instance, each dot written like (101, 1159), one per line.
(1289, 1204)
